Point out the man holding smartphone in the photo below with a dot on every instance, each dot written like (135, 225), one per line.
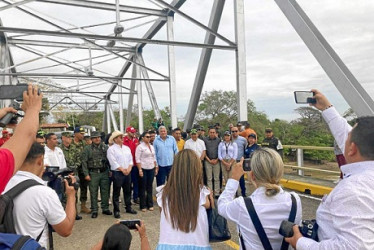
(346, 216)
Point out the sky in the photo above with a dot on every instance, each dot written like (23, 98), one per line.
(277, 60)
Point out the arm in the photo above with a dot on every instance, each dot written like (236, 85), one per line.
(138, 154)
(203, 155)
(339, 126)
(219, 152)
(144, 243)
(20, 143)
(65, 228)
(112, 159)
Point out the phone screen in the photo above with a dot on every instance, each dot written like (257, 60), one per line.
(304, 97)
(131, 224)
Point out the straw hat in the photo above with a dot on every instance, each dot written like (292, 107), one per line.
(115, 134)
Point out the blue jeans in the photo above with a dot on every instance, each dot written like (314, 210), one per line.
(163, 174)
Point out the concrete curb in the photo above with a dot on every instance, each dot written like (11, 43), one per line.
(305, 187)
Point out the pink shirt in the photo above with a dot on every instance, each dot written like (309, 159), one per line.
(145, 155)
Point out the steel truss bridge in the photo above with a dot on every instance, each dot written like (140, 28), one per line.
(76, 79)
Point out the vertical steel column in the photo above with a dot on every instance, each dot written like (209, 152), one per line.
(140, 98)
(120, 100)
(337, 71)
(151, 94)
(131, 95)
(113, 118)
(205, 56)
(241, 68)
(104, 126)
(109, 129)
(300, 160)
(172, 85)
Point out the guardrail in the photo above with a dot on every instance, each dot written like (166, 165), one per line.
(300, 159)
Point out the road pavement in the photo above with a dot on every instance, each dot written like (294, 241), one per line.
(88, 232)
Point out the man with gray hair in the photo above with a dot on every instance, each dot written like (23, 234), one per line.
(165, 149)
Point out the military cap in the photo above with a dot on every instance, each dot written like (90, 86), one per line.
(66, 134)
(95, 134)
(268, 130)
(79, 130)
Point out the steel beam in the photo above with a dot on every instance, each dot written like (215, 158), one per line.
(139, 99)
(172, 78)
(241, 68)
(148, 35)
(113, 118)
(131, 96)
(107, 6)
(151, 94)
(69, 76)
(82, 92)
(108, 123)
(120, 101)
(205, 56)
(15, 4)
(115, 38)
(12, 41)
(337, 71)
(196, 22)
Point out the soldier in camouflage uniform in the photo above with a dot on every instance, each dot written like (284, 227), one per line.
(96, 171)
(79, 144)
(72, 158)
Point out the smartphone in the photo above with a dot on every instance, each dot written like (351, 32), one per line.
(13, 91)
(304, 97)
(247, 164)
(130, 223)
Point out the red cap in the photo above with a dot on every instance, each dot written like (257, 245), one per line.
(130, 129)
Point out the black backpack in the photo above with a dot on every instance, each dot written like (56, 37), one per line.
(7, 228)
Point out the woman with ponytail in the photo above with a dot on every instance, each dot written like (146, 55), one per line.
(271, 203)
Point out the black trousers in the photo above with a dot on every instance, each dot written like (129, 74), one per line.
(121, 181)
(145, 188)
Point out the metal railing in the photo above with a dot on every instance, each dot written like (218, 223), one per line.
(300, 159)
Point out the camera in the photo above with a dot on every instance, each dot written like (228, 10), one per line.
(56, 177)
(308, 228)
(131, 224)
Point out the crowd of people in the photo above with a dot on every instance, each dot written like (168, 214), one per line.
(193, 171)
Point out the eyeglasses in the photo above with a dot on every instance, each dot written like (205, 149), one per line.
(147, 136)
(234, 131)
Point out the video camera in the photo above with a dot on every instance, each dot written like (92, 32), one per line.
(15, 93)
(308, 228)
(56, 177)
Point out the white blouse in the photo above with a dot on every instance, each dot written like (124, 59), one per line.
(270, 210)
(145, 155)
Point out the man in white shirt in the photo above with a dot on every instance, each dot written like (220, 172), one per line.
(39, 205)
(196, 144)
(346, 216)
(120, 159)
(53, 155)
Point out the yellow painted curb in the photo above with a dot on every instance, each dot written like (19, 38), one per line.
(232, 244)
(304, 187)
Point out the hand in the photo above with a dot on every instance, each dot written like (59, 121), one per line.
(87, 178)
(6, 110)
(296, 236)
(156, 170)
(211, 199)
(141, 173)
(69, 190)
(214, 162)
(237, 170)
(322, 102)
(125, 172)
(141, 229)
(110, 174)
(31, 99)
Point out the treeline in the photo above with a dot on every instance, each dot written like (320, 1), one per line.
(221, 106)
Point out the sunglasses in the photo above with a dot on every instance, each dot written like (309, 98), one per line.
(235, 131)
(147, 136)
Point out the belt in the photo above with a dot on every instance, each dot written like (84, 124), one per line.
(97, 170)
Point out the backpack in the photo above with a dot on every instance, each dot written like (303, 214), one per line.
(8, 237)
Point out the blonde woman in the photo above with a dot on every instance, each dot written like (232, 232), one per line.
(227, 154)
(183, 202)
(271, 202)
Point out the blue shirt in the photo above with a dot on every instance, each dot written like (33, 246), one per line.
(165, 150)
(250, 149)
(241, 142)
